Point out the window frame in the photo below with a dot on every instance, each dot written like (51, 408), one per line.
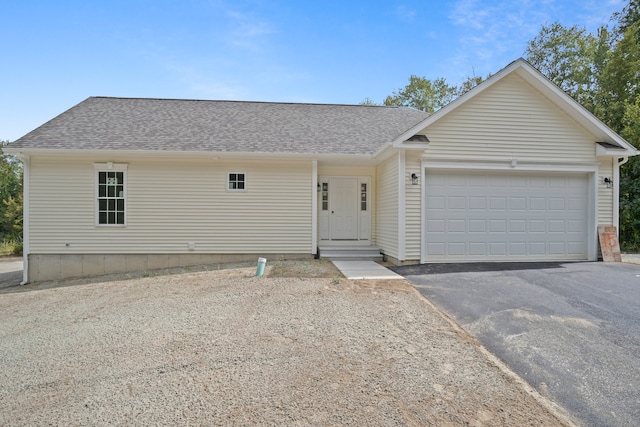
(244, 181)
(109, 167)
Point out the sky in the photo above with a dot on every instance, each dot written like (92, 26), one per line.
(57, 53)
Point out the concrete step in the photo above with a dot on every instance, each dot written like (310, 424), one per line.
(367, 253)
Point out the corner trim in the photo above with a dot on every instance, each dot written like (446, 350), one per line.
(401, 206)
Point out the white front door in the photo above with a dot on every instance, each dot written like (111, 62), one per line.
(343, 203)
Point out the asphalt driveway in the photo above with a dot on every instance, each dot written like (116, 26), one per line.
(571, 330)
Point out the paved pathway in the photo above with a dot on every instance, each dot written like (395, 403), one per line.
(356, 270)
(10, 271)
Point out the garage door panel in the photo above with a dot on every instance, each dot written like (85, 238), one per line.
(457, 202)
(518, 203)
(537, 203)
(477, 226)
(517, 226)
(518, 248)
(514, 216)
(557, 248)
(457, 226)
(477, 248)
(436, 202)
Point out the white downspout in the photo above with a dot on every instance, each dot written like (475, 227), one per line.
(616, 192)
(25, 217)
(314, 207)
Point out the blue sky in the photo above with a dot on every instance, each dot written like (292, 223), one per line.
(57, 53)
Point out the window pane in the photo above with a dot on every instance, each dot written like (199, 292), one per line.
(111, 202)
(240, 185)
(325, 186)
(233, 177)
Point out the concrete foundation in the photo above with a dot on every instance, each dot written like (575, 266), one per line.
(396, 261)
(56, 267)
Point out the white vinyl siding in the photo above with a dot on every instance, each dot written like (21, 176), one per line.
(605, 195)
(510, 120)
(387, 206)
(413, 210)
(172, 204)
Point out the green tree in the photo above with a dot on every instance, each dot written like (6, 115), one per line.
(12, 220)
(629, 15)
(423, 94)
(620, 81)
(10, 187)
(368, 101)
(566, 56)
(468, 84)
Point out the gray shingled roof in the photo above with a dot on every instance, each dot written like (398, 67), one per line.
(100, 123)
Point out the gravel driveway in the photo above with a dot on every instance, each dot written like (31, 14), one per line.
(224, 347)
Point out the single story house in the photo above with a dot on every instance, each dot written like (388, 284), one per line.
(513, 170)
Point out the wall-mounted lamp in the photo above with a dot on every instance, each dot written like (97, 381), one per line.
(607, 181)
(414, 179)
(318, 187)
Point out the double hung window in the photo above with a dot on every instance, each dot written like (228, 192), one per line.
(111, 194)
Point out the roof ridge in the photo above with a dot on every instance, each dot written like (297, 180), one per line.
(133, 98)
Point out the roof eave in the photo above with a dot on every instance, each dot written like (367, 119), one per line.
(185, 154)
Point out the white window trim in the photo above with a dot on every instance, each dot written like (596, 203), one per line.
(110, 167)
(236, 190)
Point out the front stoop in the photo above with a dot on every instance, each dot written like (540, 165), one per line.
(350, 253)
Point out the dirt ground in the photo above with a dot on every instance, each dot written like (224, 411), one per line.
(216, 345)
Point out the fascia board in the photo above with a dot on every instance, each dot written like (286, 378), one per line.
(366, 158)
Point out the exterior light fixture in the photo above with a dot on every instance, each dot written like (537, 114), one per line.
(607, 181)
(414, 179)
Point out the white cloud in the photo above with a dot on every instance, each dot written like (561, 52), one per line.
(491, 34)
(405, 13)
(248, 32)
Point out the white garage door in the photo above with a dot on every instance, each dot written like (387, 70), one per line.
(506, 216)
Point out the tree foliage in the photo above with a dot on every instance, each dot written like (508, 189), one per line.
(429, 95)
(602, 72)
(566, 56)
(423, 94)
(10, 195)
